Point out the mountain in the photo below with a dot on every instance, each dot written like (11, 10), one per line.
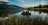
(14, 8)
(8, 8)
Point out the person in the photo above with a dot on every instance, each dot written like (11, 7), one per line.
(23, 13)
(27, 11)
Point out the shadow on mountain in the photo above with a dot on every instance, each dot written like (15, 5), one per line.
(8, 8)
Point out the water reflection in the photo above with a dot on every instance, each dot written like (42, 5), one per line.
(34, 15)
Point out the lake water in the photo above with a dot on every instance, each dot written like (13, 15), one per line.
(34, 15)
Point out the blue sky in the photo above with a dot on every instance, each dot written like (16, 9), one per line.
(27, 3)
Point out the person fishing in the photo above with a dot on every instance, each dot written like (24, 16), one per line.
(26, 13)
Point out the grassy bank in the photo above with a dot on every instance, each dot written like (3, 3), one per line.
(39, 9)
(23, 21)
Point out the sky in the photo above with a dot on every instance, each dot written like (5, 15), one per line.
(27, 3)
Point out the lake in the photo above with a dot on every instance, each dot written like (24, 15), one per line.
(34, 15)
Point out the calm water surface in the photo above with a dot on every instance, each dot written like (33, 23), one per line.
(34, 15)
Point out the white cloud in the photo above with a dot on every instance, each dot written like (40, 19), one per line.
(29, 5)
(24, 3)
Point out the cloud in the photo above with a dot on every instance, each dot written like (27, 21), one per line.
(25, 3)
(28, 3)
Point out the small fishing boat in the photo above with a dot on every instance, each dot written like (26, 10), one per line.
(26, 13)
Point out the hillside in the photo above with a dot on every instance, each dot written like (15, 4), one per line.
(15, 9)
(6, 8)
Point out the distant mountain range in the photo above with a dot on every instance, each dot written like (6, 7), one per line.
(10, 7)
(6, 8)
(15, 8)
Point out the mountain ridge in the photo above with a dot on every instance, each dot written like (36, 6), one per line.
(9, 9)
